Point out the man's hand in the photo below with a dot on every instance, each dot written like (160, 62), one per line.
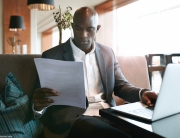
(149, 98)
(40, 98)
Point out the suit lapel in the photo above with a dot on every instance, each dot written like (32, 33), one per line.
(101, 65)
(68, 54)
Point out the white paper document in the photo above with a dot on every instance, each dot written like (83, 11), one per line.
(66, 77)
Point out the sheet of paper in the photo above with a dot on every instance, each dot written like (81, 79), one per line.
(66, 77)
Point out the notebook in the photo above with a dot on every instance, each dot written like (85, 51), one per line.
(167, 103)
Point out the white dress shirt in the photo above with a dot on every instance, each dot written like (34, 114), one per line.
(93, 83)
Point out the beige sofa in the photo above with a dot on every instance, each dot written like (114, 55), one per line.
(134, 69)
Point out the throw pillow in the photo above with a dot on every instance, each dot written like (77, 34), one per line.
(15, 112)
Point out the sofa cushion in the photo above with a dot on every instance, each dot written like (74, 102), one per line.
(134, 68)
(15, 112)
(23, 67)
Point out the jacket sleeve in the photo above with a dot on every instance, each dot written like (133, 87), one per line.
(36, 114)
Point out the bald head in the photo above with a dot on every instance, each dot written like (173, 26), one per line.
(85, 26)
(86, 12)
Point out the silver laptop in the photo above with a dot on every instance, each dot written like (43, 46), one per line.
(167, 127)
(167, 103)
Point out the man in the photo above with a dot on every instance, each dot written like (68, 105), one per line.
(102, 76)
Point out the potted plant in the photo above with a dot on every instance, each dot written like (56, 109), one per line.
(63, 21)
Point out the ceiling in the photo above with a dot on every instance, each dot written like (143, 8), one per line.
(45, 19)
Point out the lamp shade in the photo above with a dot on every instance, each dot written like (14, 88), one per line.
(16, 23)
(43, 5)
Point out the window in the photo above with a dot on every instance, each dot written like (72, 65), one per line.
(147, 26)
(66, 34)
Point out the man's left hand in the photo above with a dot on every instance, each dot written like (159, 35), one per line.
(149, 98)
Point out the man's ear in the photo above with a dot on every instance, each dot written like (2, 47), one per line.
(98, 27)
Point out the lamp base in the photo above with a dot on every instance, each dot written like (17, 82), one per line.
(13, 50)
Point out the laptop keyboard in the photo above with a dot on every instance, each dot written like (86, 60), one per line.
(142, 112)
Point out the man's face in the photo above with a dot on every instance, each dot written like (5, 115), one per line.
(85, 29)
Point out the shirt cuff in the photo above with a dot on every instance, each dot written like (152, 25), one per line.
(95, 98)
(98, 97)
(37, 114)
(140, 94)
(142, 91)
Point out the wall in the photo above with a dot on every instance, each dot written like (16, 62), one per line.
(107, 20)
(35, 36)
(16, 7)
(1, 26)
(39, 43)
(46, 40)
(105, 34)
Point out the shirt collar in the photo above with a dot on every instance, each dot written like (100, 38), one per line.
(78, 52)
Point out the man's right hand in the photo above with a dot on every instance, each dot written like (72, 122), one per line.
(40, 98)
